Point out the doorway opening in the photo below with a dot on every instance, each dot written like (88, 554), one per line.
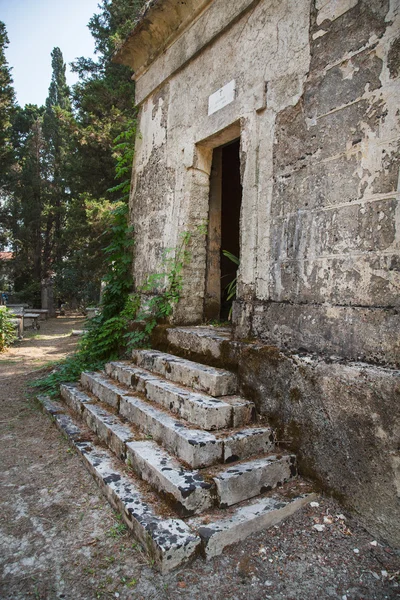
(224, 229)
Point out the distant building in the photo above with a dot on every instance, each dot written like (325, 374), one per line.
(277, 124)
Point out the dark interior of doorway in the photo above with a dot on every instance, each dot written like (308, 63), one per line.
(231, 199)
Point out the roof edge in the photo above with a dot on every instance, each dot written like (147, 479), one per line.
(159, 23)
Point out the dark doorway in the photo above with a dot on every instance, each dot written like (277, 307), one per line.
(224, 228)
(231, 198)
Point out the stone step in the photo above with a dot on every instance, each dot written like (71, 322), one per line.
(212, 381)
(207, 341)
(185, 490)
(242, 521)
(168, 541)
(195, 447)
(108, 427)
(104, 389)
(248, 442)
(202, 410)
(251, 478)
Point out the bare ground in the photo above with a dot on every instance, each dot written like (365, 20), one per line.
(60, 539)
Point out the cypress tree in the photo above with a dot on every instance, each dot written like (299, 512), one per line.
(58, 108)
(7, 107)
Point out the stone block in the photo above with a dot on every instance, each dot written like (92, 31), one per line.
(348, 33)
(199, 340)
(248, 442)
(74, 397)
(129, 375)
(103, 388)
(186, 490)
(196, 448)
(246, 520)
(108, 428)
(349, 332)
(212, 381)
(203, 411)
(248, 479)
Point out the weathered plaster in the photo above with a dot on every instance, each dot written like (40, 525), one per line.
(273, 43)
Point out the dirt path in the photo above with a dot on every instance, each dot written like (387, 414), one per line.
(60, 539)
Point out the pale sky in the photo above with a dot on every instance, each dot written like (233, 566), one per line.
(34, 28)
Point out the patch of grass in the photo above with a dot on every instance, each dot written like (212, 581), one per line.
(117, 530)
(10, 361)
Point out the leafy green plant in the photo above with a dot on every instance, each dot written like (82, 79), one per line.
(231, 287)
(160, 302)
(7, 328)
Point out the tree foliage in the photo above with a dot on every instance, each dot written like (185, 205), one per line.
(7, 106)
(56, 211)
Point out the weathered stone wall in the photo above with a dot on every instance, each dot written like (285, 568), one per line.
(333, 273)
(317, 108)
(342, 420)
(266, 41)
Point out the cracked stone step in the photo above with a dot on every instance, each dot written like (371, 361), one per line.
(168, 541)
(195, 447)
(248, 479)
(212, 381)
(245, 520)
(101, 387)
(189, 492)
(104, 424)
(248, 442)
(199, 340)
(202, 410)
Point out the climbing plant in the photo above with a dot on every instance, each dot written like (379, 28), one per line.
(127, 318)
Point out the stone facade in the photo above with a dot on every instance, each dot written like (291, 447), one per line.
(316, 108)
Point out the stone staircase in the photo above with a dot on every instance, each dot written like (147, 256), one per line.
(178, 452)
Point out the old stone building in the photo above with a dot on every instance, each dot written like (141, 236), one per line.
(277, 124)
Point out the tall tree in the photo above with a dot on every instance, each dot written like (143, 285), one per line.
(58, 211)
(25, 203)
(56, 136)
(103, 102)
(7, 106)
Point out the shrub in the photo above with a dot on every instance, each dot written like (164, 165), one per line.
(7, 328)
